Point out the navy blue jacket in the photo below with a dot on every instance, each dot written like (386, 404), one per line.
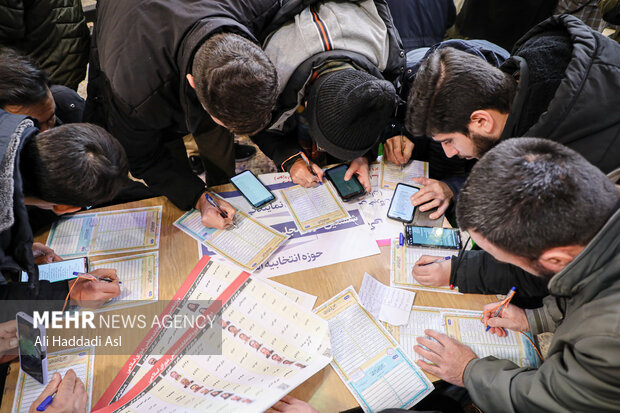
(422, 23)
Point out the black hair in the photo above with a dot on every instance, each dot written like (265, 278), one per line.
(528, 195)
(21, 82)
(77, 164)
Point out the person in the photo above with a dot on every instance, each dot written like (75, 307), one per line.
(546, 88)
(53, 33)
(422, 23)
(610, 10)
(543, 207)
(446, 175)
(335, 88)
(62, 169)
(200, 73)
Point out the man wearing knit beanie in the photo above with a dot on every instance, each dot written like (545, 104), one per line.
(336, 62)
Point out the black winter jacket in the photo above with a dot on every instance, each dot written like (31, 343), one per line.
(51, 32)
(422, 23)
(142, 50)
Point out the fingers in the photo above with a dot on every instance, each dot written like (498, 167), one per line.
(426, 259)
(437, 336)
(365, 181)
(432, 369)
(407, 149)
(318, 172)
(8, 329)
(392, 149)
(432, 345)
(422, 180)
(429, 355)
(422, 196)
(229, 209)
(79, 401)
(109, 273)
(65, 389)
(50, 389)
(441, 209)
(7, 344)
(211, 218)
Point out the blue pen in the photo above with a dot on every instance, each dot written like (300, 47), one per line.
(99, 278)
(436, 261)
(509, 296)
(45, 403)
(214, 204)
(401, 239)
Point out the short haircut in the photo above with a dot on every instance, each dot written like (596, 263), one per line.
(77, 164)
(21, 82)
(235, 82)
(528, 195)
(449, 86)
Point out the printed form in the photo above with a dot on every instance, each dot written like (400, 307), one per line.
(139, 275)
(389, 304)
(265, 354)
(81, 360)
(301, 298)
(248, 245)
(392, 174)
(403, 259)
(110, 232)
(313, 208)
(368, 360)
(59, 270)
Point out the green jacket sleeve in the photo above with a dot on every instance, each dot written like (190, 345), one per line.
(582, 376)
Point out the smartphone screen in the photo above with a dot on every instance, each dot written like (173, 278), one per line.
(433, 237)
(252, 189)
(32, 352)
(60, 270)
(346, 189)
(401, 208)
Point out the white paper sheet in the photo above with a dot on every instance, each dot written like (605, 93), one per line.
(314, 208)
(59, 271)
(392, 174)
(301, 298)
(389, 304)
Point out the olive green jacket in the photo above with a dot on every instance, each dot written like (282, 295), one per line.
(582, 369)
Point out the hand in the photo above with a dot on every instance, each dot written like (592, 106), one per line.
(93, 293)
(511, 317)
(290, 404)
(432, 275)
(301, 175)
(398, 149)
(211, 217)
(450, 357)
(433, 194)
(71, 396)
(359, 167)
(8, 341)
(43, 254)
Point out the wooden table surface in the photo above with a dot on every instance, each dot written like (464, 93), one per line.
(178, 254)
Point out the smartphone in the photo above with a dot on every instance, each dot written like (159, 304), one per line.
(252, 189)
(433, 237)
(401, 208)
(347, 190)
(60, 270)
(32, 348)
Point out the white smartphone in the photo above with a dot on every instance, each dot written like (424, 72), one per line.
(32, 348)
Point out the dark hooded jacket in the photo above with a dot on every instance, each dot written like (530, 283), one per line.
(137, 90)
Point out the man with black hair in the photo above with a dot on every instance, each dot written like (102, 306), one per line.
(62, 169)
(543, 207)
(161, 69)
(336, 64)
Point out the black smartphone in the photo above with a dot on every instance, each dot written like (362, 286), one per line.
(401, 208)
(32, 348)
(252, 189)
(433, 237)
(347, 190)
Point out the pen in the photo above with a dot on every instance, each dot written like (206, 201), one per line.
(98, 278)
(223, 213)
(45, 403)
(307, 161)
(436, 261)
(509, 296)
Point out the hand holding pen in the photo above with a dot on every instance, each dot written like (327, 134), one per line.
(66, 395)
(432, 271)
(502, 315)
(215, 213)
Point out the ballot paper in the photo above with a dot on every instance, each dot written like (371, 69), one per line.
(301, 298)
(81, 360)
(314, 208)
(392, 174)
(109, 232)
(465, 326)
(139, 277)
(264, 354)
(60, 270)
(389, 304)
(368, 359)
(403, 259)
(247, 244)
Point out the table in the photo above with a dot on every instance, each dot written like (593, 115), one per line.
(179, 254)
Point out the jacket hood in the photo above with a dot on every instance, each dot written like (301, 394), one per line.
(596, 267)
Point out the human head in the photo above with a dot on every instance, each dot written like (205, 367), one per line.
(74, 165)
(347, 111)
(235, 82)
(24, 89)
(535, 203)
(461, 101)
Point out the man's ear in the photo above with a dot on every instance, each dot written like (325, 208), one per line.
(481, 122)
(64, 209)
(555, 259)
(190, 80)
